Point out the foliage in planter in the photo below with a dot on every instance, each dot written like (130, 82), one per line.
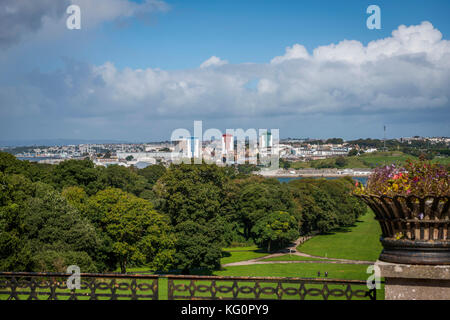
(411, 203)
(419, 178)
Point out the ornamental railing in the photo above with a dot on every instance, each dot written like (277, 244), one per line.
(98, 286)
(93, 286)
(257, 288)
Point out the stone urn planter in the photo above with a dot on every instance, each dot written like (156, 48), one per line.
(415, 230)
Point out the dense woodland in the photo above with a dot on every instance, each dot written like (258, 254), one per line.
(168, 219)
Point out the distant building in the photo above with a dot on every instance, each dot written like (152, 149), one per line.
(265, 140)
(227, 143)
(187, 147)
(193, 150)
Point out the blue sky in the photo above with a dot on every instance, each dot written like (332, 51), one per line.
(133, 71)
(255, 31)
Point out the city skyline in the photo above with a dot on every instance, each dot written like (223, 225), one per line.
(137, 70)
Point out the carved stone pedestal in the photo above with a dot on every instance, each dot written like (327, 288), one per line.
(415, 282)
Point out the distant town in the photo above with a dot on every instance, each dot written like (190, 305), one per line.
(225, 152)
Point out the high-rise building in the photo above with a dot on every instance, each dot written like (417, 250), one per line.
(193, 147)
(227, 143)
(188, 147)
(265, 140)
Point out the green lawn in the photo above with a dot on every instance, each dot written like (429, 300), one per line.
(249, 248)
(384, 158)
(236, 254)
(360, 242)
(367, 160)
(300, 270)
(442, 160)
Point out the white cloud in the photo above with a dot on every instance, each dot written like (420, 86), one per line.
(267, 86)
(213, 62)
(19, 18)
(46, 18)
(297, 51)
(406, 73)
(409, 70)
(98, 11)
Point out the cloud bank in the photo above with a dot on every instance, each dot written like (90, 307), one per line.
(19, 18)
(405, 73)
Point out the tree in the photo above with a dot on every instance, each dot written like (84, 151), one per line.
(15, 249)
(58, 261)
(326, 204)
(318, 208)
(257, 197)
(152, 173)
(335, 141)
(275, 230)
(138, 233)
(35, 219)
(285, 164)
(129, 158)
(198, 245)
(115, 176)
(193, 197)
(341, 162)
(10, 164)
(76, 196)
(245, 169)
(80, 173)
(347, 208)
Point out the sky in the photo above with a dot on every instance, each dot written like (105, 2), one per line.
(138, 70)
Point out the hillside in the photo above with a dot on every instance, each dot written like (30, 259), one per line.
(367, 160)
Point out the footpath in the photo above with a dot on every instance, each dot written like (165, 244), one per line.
(292, 249)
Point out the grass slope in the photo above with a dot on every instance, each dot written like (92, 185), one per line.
(367, 160)
(240, 255)
(301, 270)
(360, 242)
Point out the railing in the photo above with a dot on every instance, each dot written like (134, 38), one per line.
(98, 286)
(93, 286)
(235, 288)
